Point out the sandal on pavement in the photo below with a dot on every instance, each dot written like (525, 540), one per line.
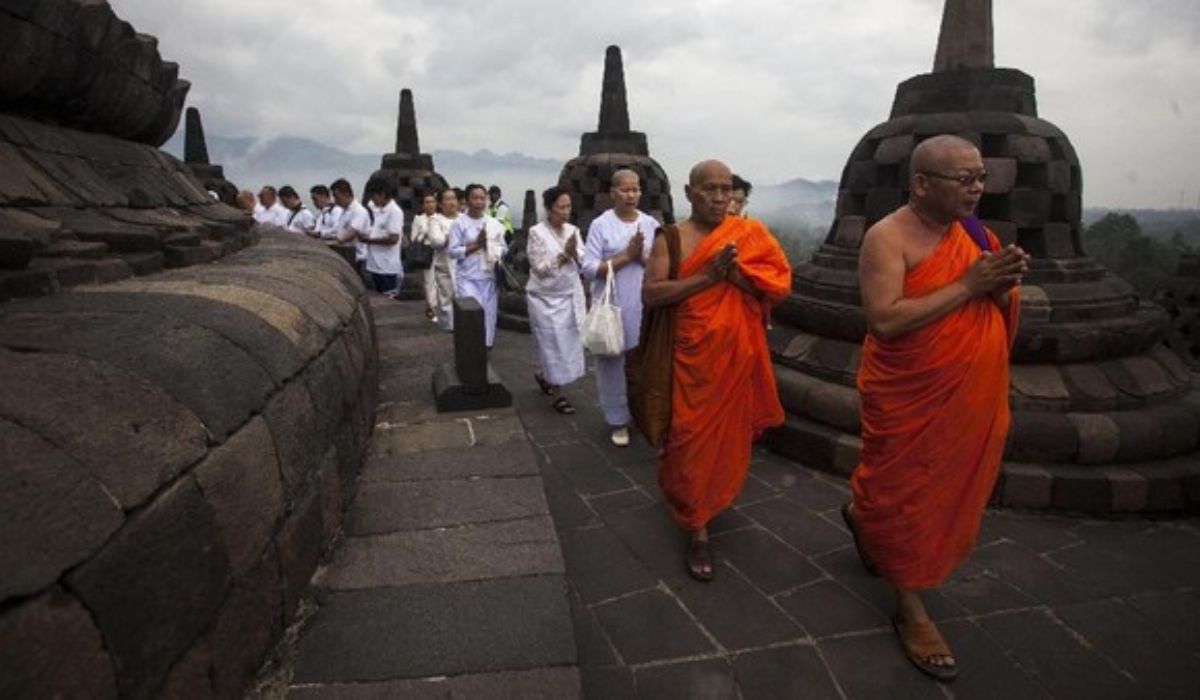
(862, 554)
(563, 406)
(620, 436)
(922, 643)
(699, 560)
(544, 385)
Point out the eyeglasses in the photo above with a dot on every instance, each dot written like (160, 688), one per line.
(965, 179)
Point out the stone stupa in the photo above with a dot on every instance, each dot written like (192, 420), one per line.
(195, 157)
(1105, 418)
(611, 147)
(408, 170)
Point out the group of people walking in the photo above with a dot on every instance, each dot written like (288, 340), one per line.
(940, 302)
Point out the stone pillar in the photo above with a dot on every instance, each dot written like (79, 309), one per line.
(408, 170)
(195, 156)
(469, 383)
(1105, 420)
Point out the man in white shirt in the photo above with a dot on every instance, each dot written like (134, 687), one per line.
(329, 215)
(383, 240)
(476, 245)
(272, 212)
(355, 221)
(300, 219)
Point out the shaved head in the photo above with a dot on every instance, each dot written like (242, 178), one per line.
(624, 174)
(706, 169)
(937, 152)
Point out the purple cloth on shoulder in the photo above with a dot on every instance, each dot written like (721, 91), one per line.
(975, 229)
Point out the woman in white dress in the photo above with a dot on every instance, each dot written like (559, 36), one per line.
(443, 267)
(554, 296)
(420, 234)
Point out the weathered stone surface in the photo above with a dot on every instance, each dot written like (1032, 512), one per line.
(540, 683)
(156, 585)
(241, 482)
(191, 678)
(298, 443)
(390, 507)
(451, 629)
(15, 251)
(251, 618)
(123, 431)
(525, 547)
(300, 544)
(52, 649)
(55, 514)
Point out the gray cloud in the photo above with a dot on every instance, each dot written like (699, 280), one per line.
(778, 89)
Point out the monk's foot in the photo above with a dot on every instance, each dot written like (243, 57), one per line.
(848, 516)
(925, 647)
(698, 558)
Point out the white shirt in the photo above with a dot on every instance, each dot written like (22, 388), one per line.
(481, 264)
(421, 225)
(546, 275)
(277, 215)
(300, 220)
(354, 220)
(389, 221)
(260, 213)
(329, 222)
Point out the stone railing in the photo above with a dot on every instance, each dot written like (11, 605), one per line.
(176, 452)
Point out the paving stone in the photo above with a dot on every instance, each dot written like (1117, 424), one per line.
(826, 608)
(982, 593)
(635, 623)
(569, 509)
(1037, 533)
(654, 539)
(438, 629)
(586, 468)
(754, 491)
(736, 614)
(542, 684)
(1174, 616)
(777, 472)
(148, 437)
(728, 520)
(1131, 641)
(693, 680)
(1055, 657)
(822, 494)
(524, 547)
(391, 441)
(591, 646)
(55, 515)
(601, 567)
(619, 501)
(891, 675)
(506, 460)
(771, 565)
(52, 649)
(1031, 574)
(240, 480)
(1124, 563)
(607, 682)
(388, 507)
(156, 585)
(985, 671)
(784, 672)
(799, 527)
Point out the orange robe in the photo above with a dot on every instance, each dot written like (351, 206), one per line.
(723, 391)
(935, 415)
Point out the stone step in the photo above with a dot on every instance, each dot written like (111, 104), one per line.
(188, 240)
(185, 256)
(88, 250)
(145, 263)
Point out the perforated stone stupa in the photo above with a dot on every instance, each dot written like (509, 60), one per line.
(610, 148)
(1105, 418)
(409, 171)
(195, 156)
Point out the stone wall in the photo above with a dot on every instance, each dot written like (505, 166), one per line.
(177, 452)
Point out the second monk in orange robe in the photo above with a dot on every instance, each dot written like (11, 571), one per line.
(723, 387)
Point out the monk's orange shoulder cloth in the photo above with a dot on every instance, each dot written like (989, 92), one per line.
(935, 415)
(723, 393)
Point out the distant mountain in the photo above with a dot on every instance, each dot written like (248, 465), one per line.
(799, 207)
(250, 163)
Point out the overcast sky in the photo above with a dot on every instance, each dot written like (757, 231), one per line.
(777, 88)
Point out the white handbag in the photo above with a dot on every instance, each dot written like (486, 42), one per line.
(603, 332)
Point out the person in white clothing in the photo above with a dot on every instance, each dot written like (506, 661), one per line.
(383, 240)
(621, 236)
(300, 219)
(476, 245)
(272, 212)
(443, 266)
(554, 297)
(419, 233)
(328, 216)
(355, 221)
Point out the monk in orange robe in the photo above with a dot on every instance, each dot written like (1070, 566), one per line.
(941, 300)
(723, 391)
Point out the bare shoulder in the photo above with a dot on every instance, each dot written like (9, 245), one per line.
(885, 237)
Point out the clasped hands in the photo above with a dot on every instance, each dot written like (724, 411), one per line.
(997, 273)
(724, 265)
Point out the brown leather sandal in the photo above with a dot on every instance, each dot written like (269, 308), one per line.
(699, 560)
(921, 643)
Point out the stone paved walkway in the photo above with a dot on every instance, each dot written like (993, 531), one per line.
(1046, 607)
